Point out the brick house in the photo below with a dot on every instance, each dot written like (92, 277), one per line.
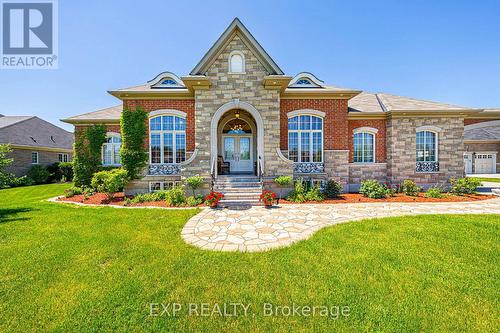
(34, 141)
(237, 113)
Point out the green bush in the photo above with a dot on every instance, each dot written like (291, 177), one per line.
(133, 155)
(314, 194)
(110, 182)
(194, 183)
(38, 174)
(194, 201)
(332, 189)
(5, 177)
(54, 172)
(21, 181)
(434, 192)
(66, 169)
(72, 191)
(87, 157)
(175, 196)
(371, 188)
(410, 188)
(466, 185)
(282, 182)
(298, 194)
(149, 197)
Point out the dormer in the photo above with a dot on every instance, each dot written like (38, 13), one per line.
(305, 80)
(166, 80)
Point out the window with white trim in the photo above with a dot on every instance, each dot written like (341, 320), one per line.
(34, 157)
(236, 62)
(364, 147)
(167, 139)
(62, 157)
(305, 138)
(111, 149)
(427, 146)
(161, 186)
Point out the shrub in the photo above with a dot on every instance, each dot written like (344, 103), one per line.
(38, 174)
(434, 192)
(132, 153)
(371, 188)
(283, 181)
(410, 188)
(314, 194)
(5, 177)
(54, 172)
(87, 158)
(466, 185)
(66, 169)
(110, 182)
(299, 192)
(213, 198)
(72, 191)
(194, 183)
(21, 181)
(390, 191)
(194, 201)
(175, 196)
(268, 197)
(332, 189)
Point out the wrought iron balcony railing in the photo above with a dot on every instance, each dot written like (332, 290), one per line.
(164, 169)
(427, 167)
(308, 167)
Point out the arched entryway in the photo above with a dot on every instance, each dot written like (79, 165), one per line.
(237, 136)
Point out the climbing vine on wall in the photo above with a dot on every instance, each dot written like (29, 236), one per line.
(133, 155)
(87, 155)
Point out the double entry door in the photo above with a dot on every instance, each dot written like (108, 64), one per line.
(238, 152)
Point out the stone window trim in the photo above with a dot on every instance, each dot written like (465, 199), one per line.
(112, 144)
(167, 112)
(34, 157)
(428, 128)
(371, 131)
(430, 166)
(306, 112)
(229, 62)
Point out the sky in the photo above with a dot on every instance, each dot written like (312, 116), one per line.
(445, 51)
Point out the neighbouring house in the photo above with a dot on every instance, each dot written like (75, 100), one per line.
(34, 141)
(482, 144)
(238, 119)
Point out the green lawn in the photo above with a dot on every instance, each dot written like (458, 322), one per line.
(492, 180)
(67, 268)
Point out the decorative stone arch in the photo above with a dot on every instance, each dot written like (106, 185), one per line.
(236, 104)
(167, 112)
(365, 129)
(429, 128)
(303, 112)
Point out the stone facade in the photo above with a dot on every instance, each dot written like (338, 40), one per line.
(360, 172)
(401, 147)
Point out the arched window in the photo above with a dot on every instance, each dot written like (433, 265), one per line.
(364, 147)
(167, 139)
(305, 138)
(427, 146)
(236, 62)
(303, 81)
(111, 149)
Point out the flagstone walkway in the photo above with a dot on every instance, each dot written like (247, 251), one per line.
(261, 229)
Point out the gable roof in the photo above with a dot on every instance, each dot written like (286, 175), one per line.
(11, 120)
(236, 27)
(111, 114)
(31, 131)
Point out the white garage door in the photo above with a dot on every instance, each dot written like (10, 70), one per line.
(484, 163)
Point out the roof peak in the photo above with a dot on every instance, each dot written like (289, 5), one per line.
(236, 26)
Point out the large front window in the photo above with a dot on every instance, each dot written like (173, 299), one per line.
(364, 147)
(111, 150)
(426, 146)
(167, 139)
(305, 139)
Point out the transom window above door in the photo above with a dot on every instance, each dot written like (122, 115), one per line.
(236, 126)
(167, 139)
(305, 138)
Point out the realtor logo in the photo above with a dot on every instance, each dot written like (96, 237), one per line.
(29, 34)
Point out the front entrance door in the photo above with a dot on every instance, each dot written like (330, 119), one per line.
(238, 152)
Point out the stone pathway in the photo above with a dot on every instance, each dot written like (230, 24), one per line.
(261, 229)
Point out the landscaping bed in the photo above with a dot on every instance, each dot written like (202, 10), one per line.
(117, 200)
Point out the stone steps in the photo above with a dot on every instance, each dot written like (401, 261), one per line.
(238, 190)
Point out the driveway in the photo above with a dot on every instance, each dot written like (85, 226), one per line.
(261, 229)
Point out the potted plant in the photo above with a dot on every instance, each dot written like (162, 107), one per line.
(213, 198)
(268, 197)
(283, 181)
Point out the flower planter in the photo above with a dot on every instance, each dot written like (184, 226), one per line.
(268, 197)
(212, 199)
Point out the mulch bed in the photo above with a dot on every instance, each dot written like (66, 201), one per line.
(101, 199)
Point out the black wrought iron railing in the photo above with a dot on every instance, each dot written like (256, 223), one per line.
(427, 167)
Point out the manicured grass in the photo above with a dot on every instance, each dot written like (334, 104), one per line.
(68, 268)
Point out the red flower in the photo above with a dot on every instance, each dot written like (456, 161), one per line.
(213, 198)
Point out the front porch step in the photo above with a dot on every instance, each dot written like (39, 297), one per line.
(255, 190)
(239, 187)
(239, 190)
